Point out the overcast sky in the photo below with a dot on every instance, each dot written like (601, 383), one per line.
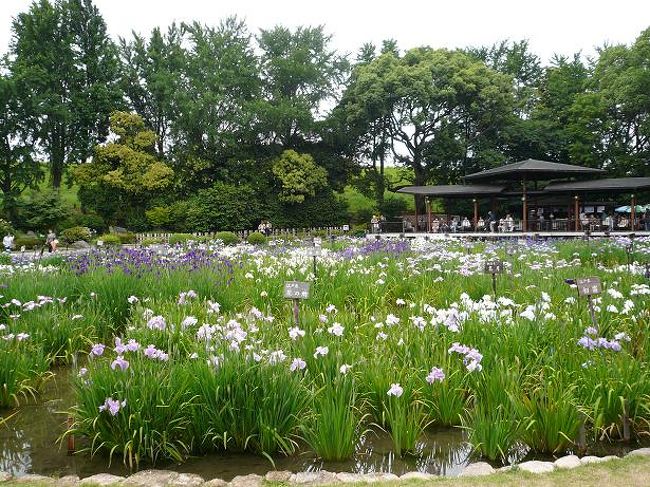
(551, 26)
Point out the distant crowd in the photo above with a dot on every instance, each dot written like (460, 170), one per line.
(537, 221)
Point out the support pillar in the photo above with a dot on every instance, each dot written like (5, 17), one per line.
(524, 208)
(475, 213)
(428, 203)
(417, 222)
(576, 213)
(633, 213)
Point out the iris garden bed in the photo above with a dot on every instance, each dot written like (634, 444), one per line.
(192, 349)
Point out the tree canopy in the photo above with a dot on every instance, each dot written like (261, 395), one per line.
(155, 128)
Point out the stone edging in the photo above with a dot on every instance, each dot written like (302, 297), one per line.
(168, 478)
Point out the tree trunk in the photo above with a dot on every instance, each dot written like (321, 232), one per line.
(380, 183)
(420, 180)
(57, 158)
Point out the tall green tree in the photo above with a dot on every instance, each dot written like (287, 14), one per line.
(563, 82)
(152, 72)
(66, 69)
(216, 114)
(125, 176)
(300, 75)
(610, 122)
(442, 106)
(18, 169)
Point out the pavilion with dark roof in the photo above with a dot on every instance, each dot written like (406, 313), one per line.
(562, 182)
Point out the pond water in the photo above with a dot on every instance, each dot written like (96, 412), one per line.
(28, 444)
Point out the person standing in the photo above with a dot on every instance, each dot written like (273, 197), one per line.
(8, 242)
(492, 221)
(51, 241)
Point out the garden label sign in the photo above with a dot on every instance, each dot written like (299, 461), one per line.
(314, 252)
(296, 290)
(590, 286)
(494, 267)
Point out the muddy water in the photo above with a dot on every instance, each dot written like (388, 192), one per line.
(28, 444)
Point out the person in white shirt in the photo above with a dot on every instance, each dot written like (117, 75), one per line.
(8, 242)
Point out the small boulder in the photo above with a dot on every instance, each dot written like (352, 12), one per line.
(151, 478)
(417, 476)
(31, 478)
(102, 479)
(379, 477)
(187, 480)
(277, 476)
(68, 481)
(349, 478)
(314, 478)
(569, 461)
(477, 469)
(535, 466)
(642, 452)
(608, 458)
(80, 245)
(590, 459)
(215, 483)
(251, 480)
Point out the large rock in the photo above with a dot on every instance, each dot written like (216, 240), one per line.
(33, 479)
(417, 476)
(4, 476)
(251, 480)
(569, 461)
(641, 452)
(477, 469)
(278, 476)
(535, 466)
(102, 479)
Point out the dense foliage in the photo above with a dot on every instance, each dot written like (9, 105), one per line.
(282, 117)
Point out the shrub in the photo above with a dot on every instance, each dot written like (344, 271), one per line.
(179, 238)
(74, 234)
(152, 241)
(223, 206)
(127, 238)
(5, 227)
(256, 238)
(110, 239)
(159, 216)
(228, 238)
(28, 242)
(90, 220)
(43, 210)
(5, 259)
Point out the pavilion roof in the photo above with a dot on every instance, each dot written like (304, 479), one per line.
(610, 185)
(533, 169)
(453, 190)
